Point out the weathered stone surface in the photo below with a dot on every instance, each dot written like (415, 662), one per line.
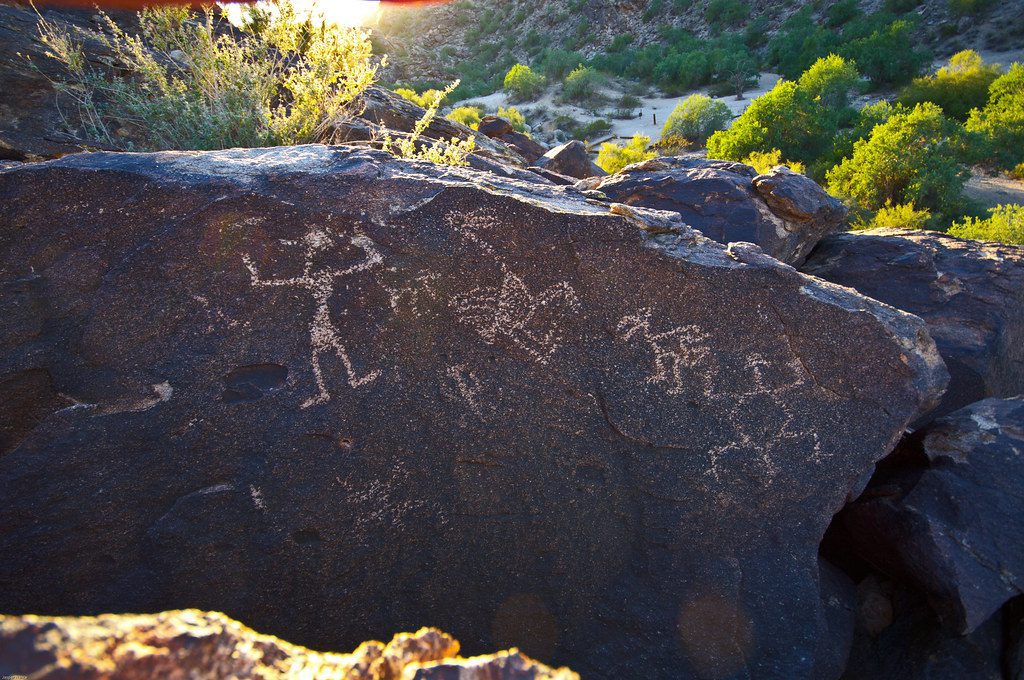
(914, 646)
(971, 295)
(1013, 651)
(524, 146)
(196, 644)
(946, 513)
(493, 126)
(335, 395)
(570, 159)
(838, 606)
(554, 177)
(783, 212)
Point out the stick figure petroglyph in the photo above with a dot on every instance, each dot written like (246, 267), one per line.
(320, 282)
(674, 350)
(510, 311)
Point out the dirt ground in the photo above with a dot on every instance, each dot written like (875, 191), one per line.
(992, 191)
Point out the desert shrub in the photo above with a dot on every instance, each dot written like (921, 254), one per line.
(467, 115)
(581, 85)
(967, 7)
(958, 87)
(888, 55)
(514, 116)
(522, 83)
(612, 157)
(842, 12)
(1004, 224)
(900, 6)
(1001, 121)
(913, 157)
(696, 118)
(183, 83)
(763, 161)
(673, 145)
(831, 80)
(900, 216)
(421, 100)
(441, 151)
(798, 43)
(1017, 172)
(556, 63)
(726, 12)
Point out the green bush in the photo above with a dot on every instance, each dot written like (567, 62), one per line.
(612, 157)
(900, 6)
(556, 63)
(1005, 224)
(914, 157)
(513, 116)
(522, 83)
(830, 80)
(763, 161)
(467, 115)
(958, 87)
(967, 7)
(581, 85)
(696, 118)
(184, 83)
(422, 100)
(726, 12)
(842, 12)
(901, 216)
(1001, 121)
(887, 55)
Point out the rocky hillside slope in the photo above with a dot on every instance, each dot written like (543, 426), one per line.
(427, 41)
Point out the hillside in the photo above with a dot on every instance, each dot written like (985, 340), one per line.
(477, 39)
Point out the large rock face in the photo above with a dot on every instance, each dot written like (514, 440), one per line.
(946, 513)
(783, 212)
(195, 644)
(570, 159)
(970, 293)
(336, 395)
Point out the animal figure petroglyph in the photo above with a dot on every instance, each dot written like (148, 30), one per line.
(320, 283)
(530, 321)
(674, 350)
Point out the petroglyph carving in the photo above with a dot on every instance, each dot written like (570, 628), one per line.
(510, 311)
(674, 350)
(320, 282)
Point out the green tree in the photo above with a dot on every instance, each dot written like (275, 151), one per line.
(522, 83)
(581, 85)
(915, 157)
(1001, 121)
(695, 118)
(958, 87)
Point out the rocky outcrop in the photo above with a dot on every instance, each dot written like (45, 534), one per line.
(945, 513)
(526, 147)
(493, 126)
(197, 644)
(910, 644)
(335, 394)
(970, 293)
(784, 213)
(570, 159)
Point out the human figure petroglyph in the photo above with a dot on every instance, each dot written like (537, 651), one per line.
(512, 312)
(674, 350)
(320, 283)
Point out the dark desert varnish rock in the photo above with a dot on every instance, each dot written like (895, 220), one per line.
(570, 159)
(945, 513)
(970, 293)
(335, 395)
(783, 212)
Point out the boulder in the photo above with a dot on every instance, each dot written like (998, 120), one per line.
(838, 607)
(946, 513)
(570, 159)
(198, 644)
(524, 146)
(970, 293)
(783, 212)
(554, 177)
(335, 394)
(492, 126)
(914, 646)
(1013, 652)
